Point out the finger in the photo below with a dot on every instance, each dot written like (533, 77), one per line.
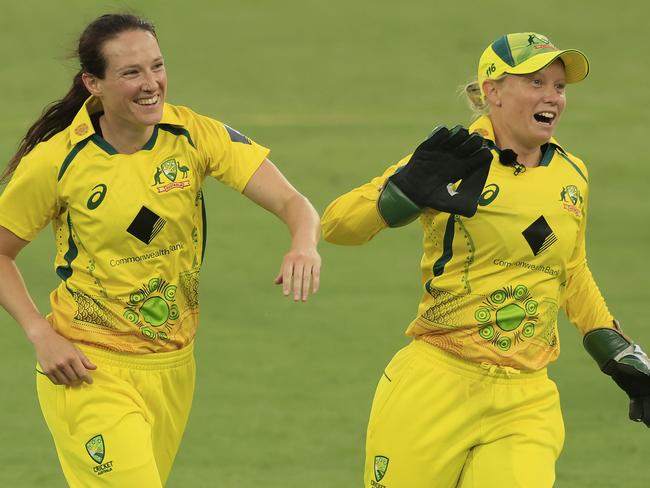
(287, 273)
(81, 371)
(636, 409)
(70, 374)
(482, 157)
(457, 136)
(87, 363)
(315, 278)
(473, 143)
(306, 280)
(298, 272)
(439, 135)
(278, 278)
(56, 377)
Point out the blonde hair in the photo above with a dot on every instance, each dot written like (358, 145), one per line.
(476, 102)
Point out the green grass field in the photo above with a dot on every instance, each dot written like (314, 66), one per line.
(339, 90)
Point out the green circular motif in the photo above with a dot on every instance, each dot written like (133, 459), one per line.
(136, 297)
(504, 343)
(498, 296)
(482, 315)
(531, 307)
(131, 316)
(153, 284)
(155, 311)
(486, 332)
(520, 292)
(510, 317)
(170, 293)
(529, 329)
(148, 333)
(163, 336)
(173, 312)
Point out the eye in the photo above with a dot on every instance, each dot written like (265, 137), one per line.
(159, 66)
(560, 86)
(536, 82)
(130, 73)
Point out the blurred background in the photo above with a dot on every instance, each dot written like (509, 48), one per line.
(340, 90)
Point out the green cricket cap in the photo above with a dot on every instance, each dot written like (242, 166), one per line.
(526, 52)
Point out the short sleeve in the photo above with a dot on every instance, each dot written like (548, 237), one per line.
(231, 157)
(29, 202)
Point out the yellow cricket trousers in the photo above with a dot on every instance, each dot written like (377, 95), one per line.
(124, 429)
(440, 422)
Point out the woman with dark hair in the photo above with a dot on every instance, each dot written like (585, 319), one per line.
(119, 172)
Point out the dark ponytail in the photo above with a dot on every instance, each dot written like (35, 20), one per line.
(60, 114)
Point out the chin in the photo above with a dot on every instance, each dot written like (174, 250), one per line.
(150, 119)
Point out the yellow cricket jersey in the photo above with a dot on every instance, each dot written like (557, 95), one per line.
(494, 283)
(129, 228)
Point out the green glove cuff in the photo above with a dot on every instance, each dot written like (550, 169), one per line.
(395, 207)
(604, 345)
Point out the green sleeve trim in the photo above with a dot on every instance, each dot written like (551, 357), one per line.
(604, 345)
(396, 208)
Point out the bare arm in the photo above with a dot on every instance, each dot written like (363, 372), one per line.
(269, 189)
(61, 361)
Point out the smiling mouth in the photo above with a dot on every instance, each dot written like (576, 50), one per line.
(544, 117)
(148, 101)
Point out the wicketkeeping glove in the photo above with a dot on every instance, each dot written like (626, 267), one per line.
(428, 179)
(628, 366)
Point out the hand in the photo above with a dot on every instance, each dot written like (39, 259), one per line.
(628, 366)
(60, 360)
(300, 269)
(438, 163)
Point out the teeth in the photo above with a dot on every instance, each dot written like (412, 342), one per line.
(548, 115)
(147, 101)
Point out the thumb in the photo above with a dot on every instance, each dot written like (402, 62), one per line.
(278, 279)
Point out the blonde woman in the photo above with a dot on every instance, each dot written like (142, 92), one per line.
(468, 402)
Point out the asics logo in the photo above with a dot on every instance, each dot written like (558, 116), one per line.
(450, 189)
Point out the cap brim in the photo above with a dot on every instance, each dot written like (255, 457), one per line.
(576, 65)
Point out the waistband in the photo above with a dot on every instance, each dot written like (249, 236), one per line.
(478, 371)
(150, 361)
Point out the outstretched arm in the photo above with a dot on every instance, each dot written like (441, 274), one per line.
(61, 361)
(300, 267)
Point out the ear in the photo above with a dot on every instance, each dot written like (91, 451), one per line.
(92, 84)
(492, 92)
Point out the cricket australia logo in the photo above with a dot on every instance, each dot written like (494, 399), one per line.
(507, 316)
(380, 468)
(152, 309)
(571, 200)
(175, 175)
(96, 450)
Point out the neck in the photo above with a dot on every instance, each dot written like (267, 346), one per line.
(125, 138)
(528, 154)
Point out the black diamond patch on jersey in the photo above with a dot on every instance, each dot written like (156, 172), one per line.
(146, 225)
(236, 136)
(539, 235)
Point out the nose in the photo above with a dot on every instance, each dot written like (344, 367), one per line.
(552, 94)
(149, 82)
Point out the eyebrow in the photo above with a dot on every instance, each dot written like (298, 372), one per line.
(131, 66)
